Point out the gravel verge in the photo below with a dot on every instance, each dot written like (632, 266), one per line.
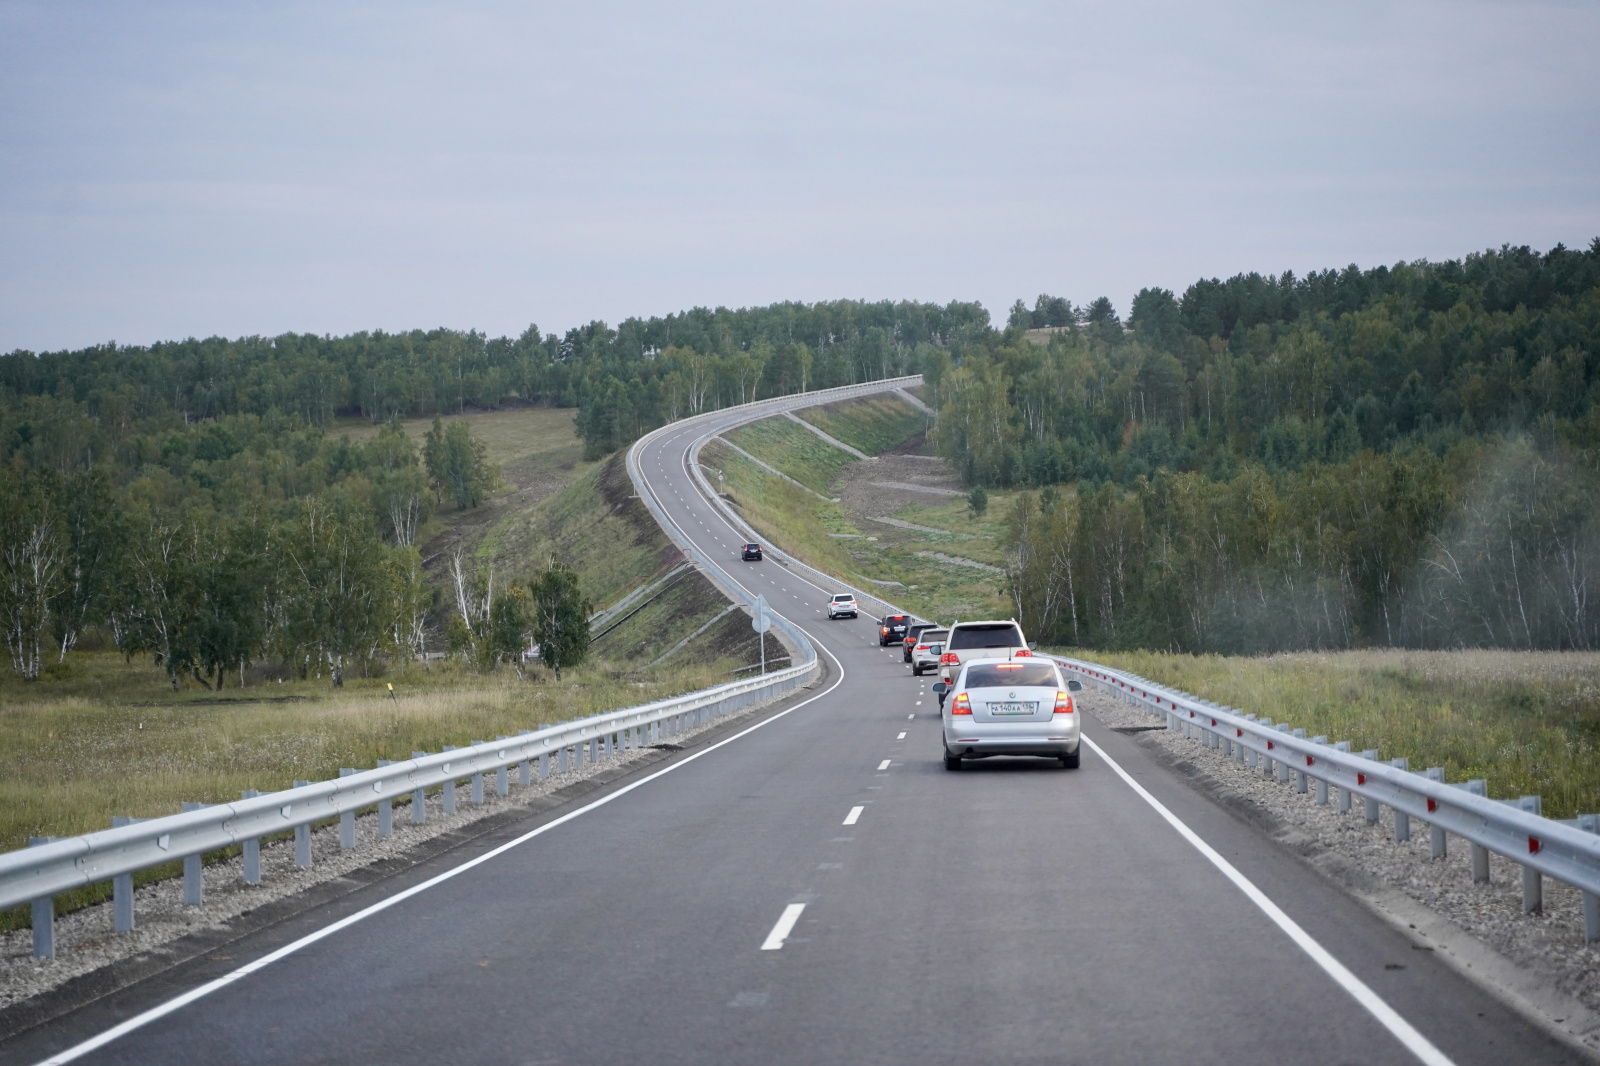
(85, 942)
(1538, 963)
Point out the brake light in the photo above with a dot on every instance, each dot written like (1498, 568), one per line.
(949, 657)
(962, 705)
(1008, 666)
(883, 629)
(1063, 703)
(1022, 653)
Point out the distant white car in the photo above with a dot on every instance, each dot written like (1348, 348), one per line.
(929, 646)
(843, 603)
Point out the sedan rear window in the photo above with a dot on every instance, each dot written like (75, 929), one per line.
(1001, 635)
(1000, 675)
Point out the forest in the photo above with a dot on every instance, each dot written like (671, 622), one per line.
(195, 503)
(1405, 455)
(1401, 456)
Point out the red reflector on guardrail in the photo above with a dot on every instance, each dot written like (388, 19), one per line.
(1432, 806)
(1269, 745)
(1238, 732)
(1534, 845)
(1310, 761)
(1361, 779)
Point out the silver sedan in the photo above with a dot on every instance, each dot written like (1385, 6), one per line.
(1009, 707)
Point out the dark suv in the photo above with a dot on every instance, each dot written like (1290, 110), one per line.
(892, 630)
(752, 552)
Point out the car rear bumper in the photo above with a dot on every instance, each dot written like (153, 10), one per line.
(980, 743)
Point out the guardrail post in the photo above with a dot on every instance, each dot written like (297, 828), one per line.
(252, 849)
(477, 780)
(302, 837)
(1300, 773)
(449, 787)
(1344, 793)
(385, 808)
(192, 885)
(1532, 880)
(1322, 783)
(594, 749)
(347, 819)
(1437, 844)
(561, 760)
(502, 782)
(122, 888)
(1283, 764)
(419, 798)
(1590, 823)
(1479, 786)
(44, 916)
(1402, 820)
(1371, 804)
(544, 765)
(525, 767)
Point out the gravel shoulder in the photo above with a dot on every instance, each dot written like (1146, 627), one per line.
(92, 961)
(1538, 963)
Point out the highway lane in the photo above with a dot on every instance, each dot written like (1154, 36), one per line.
(1014, 912)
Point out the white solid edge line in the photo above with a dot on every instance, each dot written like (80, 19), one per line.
(785, 926)
(854, 816)
(1386, 1015)
(160, 1011)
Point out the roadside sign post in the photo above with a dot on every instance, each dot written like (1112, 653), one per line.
(760, 621)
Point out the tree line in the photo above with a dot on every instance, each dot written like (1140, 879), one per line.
(1402, 456)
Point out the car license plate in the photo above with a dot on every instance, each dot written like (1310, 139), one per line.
(1012, 708)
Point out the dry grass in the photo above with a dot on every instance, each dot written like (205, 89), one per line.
(115, 739)
(520, 439)
(1529, 722)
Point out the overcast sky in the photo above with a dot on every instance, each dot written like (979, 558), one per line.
(174, 170)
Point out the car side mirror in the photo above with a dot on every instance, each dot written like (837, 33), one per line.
(1074, 686)
(940, 688)
(1033, 645)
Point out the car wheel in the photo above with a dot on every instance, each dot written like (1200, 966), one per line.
(952, 762)
(1070, 762)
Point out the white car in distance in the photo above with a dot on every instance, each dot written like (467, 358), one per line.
(843, 603)
(925, 654)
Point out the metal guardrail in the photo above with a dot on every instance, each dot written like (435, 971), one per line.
(50, 866)
(1568, 851)
(1514, 829)
(36, 874)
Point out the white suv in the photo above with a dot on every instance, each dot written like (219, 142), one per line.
(981, 640)
(929, 646)
(843, 603)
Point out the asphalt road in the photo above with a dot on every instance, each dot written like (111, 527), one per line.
(1014, 912)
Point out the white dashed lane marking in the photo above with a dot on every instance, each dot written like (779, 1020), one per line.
(854, 816)
(785, 926)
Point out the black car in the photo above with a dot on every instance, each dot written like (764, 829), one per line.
(913, 632)
(752, 552)
(892, 629)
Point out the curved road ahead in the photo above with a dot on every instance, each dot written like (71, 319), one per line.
(1011, 913)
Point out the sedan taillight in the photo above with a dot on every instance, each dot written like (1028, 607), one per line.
(1063, 703)
(949, 657)
(962, 705)
(1022, 653)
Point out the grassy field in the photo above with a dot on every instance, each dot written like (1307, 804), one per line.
(869, 554)
(524, 440)
(793, 449)
(1529, 722)
(871, 424)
